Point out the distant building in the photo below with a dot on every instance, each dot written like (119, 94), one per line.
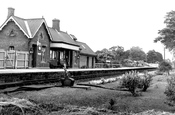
(47, 46)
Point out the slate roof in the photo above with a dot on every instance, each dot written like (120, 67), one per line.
(63, 37)
(21, 22)
(31, 26)
(85, 49)
(28, 26)
(34, 25)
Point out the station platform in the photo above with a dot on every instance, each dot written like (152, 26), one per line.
(34, 70)
(21, 77)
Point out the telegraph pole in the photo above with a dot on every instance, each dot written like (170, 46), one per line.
(164, 53)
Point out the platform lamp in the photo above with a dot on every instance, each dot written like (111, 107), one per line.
(164, 47)
(38, 44)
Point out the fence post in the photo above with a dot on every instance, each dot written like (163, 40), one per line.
(5, 59)
(15, 61)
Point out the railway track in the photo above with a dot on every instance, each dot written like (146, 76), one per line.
(30, 82)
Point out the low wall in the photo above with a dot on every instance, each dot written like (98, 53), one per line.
(37, 76)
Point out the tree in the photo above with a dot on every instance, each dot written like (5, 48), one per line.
(167, 34)
(117, 53)
(126, 54)
(153, 56)
(165, 66)
(170, 91)
(103, 55)
(137, 54)
(160, 57)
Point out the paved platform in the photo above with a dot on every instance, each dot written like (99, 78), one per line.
(34, 70)
(34, 76)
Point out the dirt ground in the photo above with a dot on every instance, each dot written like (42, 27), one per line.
(95, 97)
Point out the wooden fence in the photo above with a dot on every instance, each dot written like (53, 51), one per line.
(13, 59)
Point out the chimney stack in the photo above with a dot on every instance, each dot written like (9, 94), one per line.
(56, 24)
(10, 12)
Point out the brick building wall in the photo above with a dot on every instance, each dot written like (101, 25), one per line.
(84, 60)
(19, 40)
(44, 42)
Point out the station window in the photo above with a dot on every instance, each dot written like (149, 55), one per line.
(52, 54)
(11, 48)
(61, 56)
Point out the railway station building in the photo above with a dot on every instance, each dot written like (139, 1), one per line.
(30, 43)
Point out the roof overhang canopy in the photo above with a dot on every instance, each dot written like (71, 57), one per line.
(65, 46)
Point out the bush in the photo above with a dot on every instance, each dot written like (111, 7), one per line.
(128, 63)
(165, 66)
(146, 81)
(170, 90)
(111, 104)
(131, 81)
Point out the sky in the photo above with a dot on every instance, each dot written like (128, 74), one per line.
(101, 23)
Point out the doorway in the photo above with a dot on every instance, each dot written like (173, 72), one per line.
(34, 55)
(87, 62)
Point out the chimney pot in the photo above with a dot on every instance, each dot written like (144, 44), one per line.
(56, 24)
(11, 12)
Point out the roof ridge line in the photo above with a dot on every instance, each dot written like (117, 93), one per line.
(35, 19)
(28, 18)
(19, 17)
